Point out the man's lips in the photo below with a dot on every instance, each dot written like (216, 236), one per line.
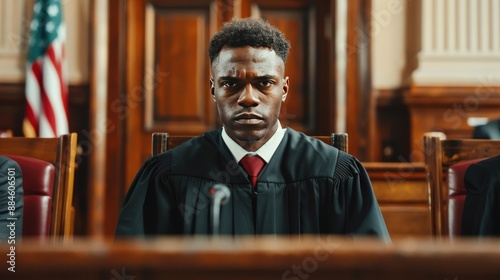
(248, 118)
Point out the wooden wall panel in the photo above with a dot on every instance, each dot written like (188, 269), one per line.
(108, 195)
(360, 103)
(177, 91)
(403, 194)
(407, 221)
(391, 139)
(448, 109)
(12, 98)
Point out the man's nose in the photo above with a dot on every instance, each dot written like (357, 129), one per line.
(249, 96)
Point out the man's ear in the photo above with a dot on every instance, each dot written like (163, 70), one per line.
(212, 88)
(285, 89)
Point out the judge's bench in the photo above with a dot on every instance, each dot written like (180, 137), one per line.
(306, 257)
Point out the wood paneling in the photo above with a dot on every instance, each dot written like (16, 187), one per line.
(403, 194)
(447, 109)
(176, 87)
(391, 139)
(360, 103)
(108, 196)
(12, 106)
(407, 221)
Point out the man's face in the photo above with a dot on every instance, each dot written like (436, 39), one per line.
(248, 86)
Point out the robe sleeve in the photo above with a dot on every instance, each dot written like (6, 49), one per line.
(481, 213)
(363, 214)
(11, 200)
(149, 207)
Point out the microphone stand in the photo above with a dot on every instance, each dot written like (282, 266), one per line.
(220, 196)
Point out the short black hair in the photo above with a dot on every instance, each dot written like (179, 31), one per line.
(249, 32)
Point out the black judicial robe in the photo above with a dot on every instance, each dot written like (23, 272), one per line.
(481, 213)
(490, 130)
(308, 187)
(11, 178)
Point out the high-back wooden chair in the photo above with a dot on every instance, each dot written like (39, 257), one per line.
(60, 152)
(446, 161)
(162, 141)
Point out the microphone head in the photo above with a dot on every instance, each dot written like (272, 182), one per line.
(222, 192)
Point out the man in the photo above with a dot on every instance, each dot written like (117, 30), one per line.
(304, 187)
(481, 216)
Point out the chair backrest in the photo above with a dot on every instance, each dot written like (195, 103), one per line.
(61, 153)
(38, 185)
(456, 195)
(446, 161)
(162, 141)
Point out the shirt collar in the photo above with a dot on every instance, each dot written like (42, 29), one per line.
(265, 152)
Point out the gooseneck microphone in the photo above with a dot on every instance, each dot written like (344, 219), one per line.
(220, 196)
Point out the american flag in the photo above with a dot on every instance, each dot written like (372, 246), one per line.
(46, 87)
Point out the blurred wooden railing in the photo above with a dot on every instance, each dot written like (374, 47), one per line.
(307, 257)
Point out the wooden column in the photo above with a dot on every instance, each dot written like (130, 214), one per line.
(360, 108)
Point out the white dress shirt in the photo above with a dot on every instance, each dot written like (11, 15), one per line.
(265, 152)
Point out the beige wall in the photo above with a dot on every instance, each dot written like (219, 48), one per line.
(395, 42)
(15, 17)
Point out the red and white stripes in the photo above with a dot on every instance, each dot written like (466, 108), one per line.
(47, 93)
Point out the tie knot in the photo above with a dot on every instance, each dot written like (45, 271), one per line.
(252, 164)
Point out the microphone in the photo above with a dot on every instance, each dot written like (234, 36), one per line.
(220, 196)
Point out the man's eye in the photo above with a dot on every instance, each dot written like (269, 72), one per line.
(266, 83)
(228, 84)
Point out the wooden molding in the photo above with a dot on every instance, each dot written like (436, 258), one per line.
(438, 96)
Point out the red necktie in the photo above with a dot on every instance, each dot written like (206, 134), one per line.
(253, 165)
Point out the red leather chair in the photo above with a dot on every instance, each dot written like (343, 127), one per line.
(38, 183)
(456, 195)
(446, 161)
(60, 152)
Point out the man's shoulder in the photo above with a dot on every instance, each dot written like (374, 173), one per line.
(4, 161)
(301, 141)
(6, 164)
(321, 159)
(489, 165)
